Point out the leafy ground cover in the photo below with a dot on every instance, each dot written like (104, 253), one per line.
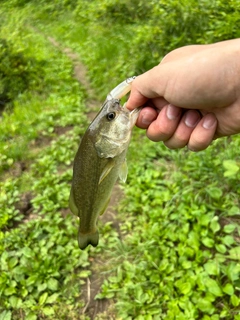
(179, 252)
(42, 268)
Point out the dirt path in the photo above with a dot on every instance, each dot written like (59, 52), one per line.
(93, 308)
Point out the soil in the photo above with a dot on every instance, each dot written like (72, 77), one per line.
(103, 308)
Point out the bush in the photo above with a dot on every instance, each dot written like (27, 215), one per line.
(114, 11)
(18, 72)
(139, 34)
(178, 23)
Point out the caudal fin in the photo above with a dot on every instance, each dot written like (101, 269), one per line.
(84, 239)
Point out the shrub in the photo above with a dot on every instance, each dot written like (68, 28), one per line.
(18, 72)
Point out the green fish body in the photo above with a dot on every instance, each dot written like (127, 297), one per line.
(100, 160)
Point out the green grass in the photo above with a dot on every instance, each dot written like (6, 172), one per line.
(179, 255)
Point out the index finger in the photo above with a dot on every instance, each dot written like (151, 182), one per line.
(144, 87)
(136, 99)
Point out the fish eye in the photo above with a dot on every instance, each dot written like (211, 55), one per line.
(110, 116)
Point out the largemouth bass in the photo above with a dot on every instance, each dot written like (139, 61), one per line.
(100, 160)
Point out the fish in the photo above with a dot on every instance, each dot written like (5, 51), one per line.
(99, 162)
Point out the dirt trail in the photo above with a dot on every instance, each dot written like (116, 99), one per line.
(93, 308)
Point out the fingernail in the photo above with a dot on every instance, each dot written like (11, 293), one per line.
(172, 112)
(191, 118)
(209, 121)
(146, 119)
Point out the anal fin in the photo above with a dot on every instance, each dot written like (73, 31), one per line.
(105, 207)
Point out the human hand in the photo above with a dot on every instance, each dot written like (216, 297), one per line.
(192, 96)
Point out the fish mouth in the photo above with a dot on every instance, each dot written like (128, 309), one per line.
(133, 114)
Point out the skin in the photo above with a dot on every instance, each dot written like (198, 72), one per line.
(192, 96)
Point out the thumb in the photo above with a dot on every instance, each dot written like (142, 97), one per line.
(136, 99)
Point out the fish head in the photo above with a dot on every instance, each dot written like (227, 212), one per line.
(111, 130)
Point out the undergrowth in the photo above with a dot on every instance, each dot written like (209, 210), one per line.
(179, 256)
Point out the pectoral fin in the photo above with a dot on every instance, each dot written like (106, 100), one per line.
(123, 172)
(106, 170)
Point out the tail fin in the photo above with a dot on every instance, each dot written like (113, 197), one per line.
(84, 239)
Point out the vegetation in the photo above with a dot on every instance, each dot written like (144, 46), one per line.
(179, 253)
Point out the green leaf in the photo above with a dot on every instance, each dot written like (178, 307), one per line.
(221, 248)
(6, 315)
(9, 291)
(215, 226)
(85, 273)
(205, 219)
(214, 192)
(234, 253)
(31, 316)
(205, 306)
(212, 267)
(213, 287)
(208, 242)
(52, 284)
(185, 288)
(4, 259)
(186, 264)
(15, 302)
(229, 228)
(52, 298)
(233, 271)
(48, 311)
(23, 292)
(228, 289)
(27, 252)
(12, 262)
(193, 240)
(231, 168)
(43, 298)
(42, 287)
(235, 301)
(228, 240)
(32, 279)
(234, 210)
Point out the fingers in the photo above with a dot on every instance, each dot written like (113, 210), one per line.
(150, 112)
(185, 128)
(178, 129)
(203, 134)
(165, 124)
(146, 117)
